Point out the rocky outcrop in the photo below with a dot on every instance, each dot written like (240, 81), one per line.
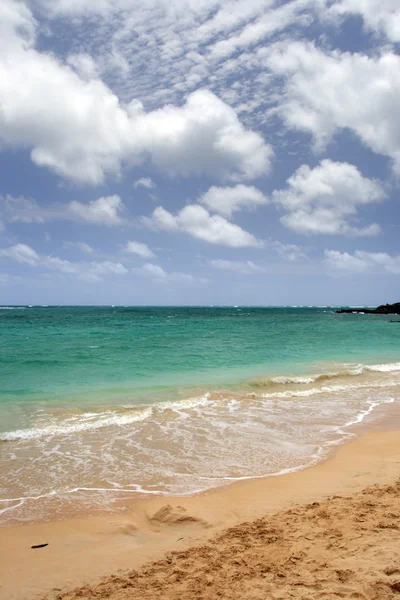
(384, 309)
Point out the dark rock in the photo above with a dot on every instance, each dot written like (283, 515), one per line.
(384, 309)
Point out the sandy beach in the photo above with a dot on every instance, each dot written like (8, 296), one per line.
(325, 532)
(199, 300)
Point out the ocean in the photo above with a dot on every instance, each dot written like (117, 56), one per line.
(103, 404)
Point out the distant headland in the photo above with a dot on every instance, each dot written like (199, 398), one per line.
(384, 309)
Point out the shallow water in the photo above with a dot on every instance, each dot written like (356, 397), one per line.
(99, 404)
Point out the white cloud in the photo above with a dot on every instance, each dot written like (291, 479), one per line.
(158, 274)
(108, 267)
(204, 136)
(325, 199)
(362, 261)
(197, 222)
(247, 267)
(84, 65)
(104, 211)
(162, 219)
(345, 261)
(54, 263)
(289, 252)
(22, 254)
(224, 18)
(159, 51)
(256, 31)
(138, 248)
(145, 182)
(24, 210)
(17, 25)
(76, 126)
(89, 271)
(379, 17)
(226, 200)
(6, 278)
(326, 92)
(82, 246)
(151, 270)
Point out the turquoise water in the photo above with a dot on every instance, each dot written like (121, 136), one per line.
(71, 353)
(147, 394)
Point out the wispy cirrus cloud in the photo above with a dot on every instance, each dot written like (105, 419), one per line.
(160, 51)
(108, 210)
(75, 125)
(245, 267)
(254, 114)
(139, 249)
(145, 182)
(361, 261)
(89, 271)
(156, 273)
(81, 246)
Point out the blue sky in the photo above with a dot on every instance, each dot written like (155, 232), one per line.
(199, 152)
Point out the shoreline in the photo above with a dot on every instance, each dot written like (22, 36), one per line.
(376, 417)
(96, 546)
(74, 501)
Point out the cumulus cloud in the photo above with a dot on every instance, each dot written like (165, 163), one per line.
(246, 267)
(380, 17)
(103, 211)
(196, 221)
(88, 271)
(76, 126)
(204, 136)
(362, 261)
(326, 92)
(17, 25)
(140, 249)
(84, 65)
(325, 199)
(159, 51)
(226, 200)
(145, 182)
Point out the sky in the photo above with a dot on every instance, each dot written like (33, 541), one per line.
(199, 152)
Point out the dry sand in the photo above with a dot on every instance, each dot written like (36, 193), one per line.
(331, 531)
(344, 547)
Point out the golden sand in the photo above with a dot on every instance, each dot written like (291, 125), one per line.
(319, 533)
(343, 547)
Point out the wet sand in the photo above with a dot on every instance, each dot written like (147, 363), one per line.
(260, 538)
